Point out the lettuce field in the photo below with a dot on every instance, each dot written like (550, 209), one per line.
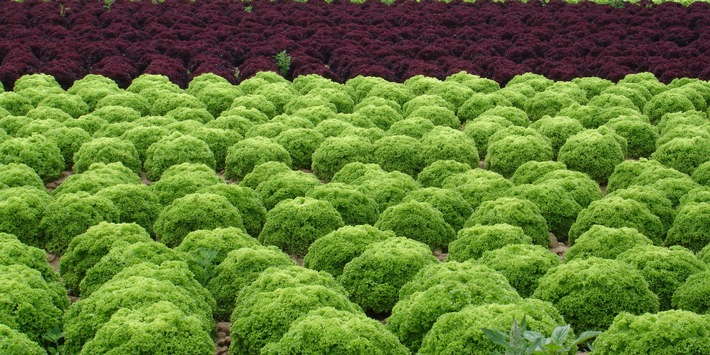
(287, 177)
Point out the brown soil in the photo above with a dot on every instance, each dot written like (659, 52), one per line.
(54, 184)
(557, 247)
(223, 339)
(297, 259)
(440, 255)
(144, 178)
(53, 261)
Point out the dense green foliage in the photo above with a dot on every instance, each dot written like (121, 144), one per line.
(516, 212)
(107, 150)
(441, 288)
(444, 143)
(266, 317)
(123, 255)
(215, 170)
(690, 227)
(296, 223)
(589, 293)
(31, 305)
(655, 200)
(672, 332)
(193, 212)
(531, 171)
(250, 152)
(333, 251)
(147, 328)
(87, 249)
(419, 221)
(605, 242)
(175, 149)
(14, 342)
(38, 152)
(327, 330)
(238, 269)
(693, 294)
(556, 205)
(98, 177)
(284, 186)
(85, 317)
(522, 264)
(21, 210)
(617, 212)
(354, 206)
(400, 153)
(665, 269)
(460, 332)
(72, 214)
(17, 175)
(135, 203)
(511, 147)
(14, 252)
(374, 278)
(472, 242)
(478, 185)
(455, 209)
(593, 153)
(336, 152)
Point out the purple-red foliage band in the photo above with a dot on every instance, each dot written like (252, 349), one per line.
(341, 40)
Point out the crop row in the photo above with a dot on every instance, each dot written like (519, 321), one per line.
(340, 41)
(362, 181)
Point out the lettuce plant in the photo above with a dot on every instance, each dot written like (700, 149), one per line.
(669, 332)
(472, 242)
(462, 332)
(107, 150)
(444, 143)
(238, 269)
(251, 152)
(516, 212)
(21, 210)
(329, 330)
(176, 149)
(689, 228)
(15, 342)
(86, 249)
(589, 293)
(38, 152)
(354, 206)
(441, 288)
(593, 153)
(334, 153)
(194, 212)
(605, 242)
(665, 269)
(32, 305)
(616, 212)
(522, 265)
(267, 316)
(374, 278)
(419, 221)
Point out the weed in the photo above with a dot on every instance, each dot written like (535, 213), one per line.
(283, 62)
(520, 341)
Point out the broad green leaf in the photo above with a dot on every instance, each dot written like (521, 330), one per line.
(496, 336)
(559, 335)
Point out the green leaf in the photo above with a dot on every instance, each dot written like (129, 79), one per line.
(588, 335)
(496, 336)
(533, 336)
(516, 333)
(536, 344)
(559, 335)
